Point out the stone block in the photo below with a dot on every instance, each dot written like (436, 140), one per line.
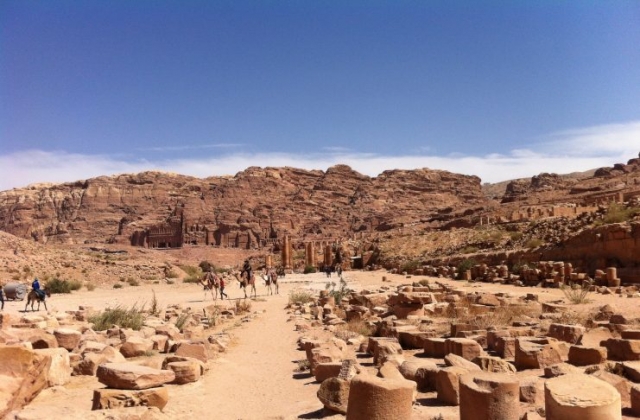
(413, 339)
(119, 398)
(198, 350)
(447, 384)
(132, 376)
(381, 399)
(584, 356)
(334, 394)
(532, 390)
(621, 349)
(422, 372)
(136, 346)
(328, 370)
(486, 395)
(494, 364)
(185, 371)
(67, 338)
(536, 354)
(434, 347)
(579, 396)
(506, 347)
(384, 350)
(23, 374)
(635, 399)
(463, 347)
(571, 334)
(59, 372)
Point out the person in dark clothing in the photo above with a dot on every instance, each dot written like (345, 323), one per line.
(222, 293)
(36, 286)
(246, 268)
(1, 298)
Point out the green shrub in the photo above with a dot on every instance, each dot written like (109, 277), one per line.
(618, 213)
(469, 250)
(300, 297)
(133, 282)
(62, 286)
(410, 266)
(124, 318)
(340, 293)
(309, 269)
(191, 270)
(90, 286)
(191, 279)
(172, 274)
(533, 243)
(206, 266)
(117, 286)
(181, 321)
(575, 293)
(464, 266)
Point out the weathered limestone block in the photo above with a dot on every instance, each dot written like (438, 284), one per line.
(328, 370)
(632, 371)
(635, 399)
(170, 330)
(579, 396)
(447, 384)
(198, 350)
(620, 349)
(405, 310)
(380, 399)
(136, 346)
(486, 395)
(384, 350)
(457, 328)
(414, 339)
(584, 356)
(568, 333)
(416, 297)
(463, 347)
(618, 382)
(492, 338)
(560, 369)
(494, 364)
(119, 398)
(328, 353)
(506, 347)
(67, 338)
(5, 321)
(334, 394)
(159, 342)
(434, 347)
(131, 376)
(422, 372)
(59, 372)
(536, 354)
(91, 360)
(458, 361)
(185, 371)
(39, 339)
(23, 374)
(532, 390)
(171, 359)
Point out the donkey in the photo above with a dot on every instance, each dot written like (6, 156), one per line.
(34, 297)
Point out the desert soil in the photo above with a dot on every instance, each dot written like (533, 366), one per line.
(257, 377)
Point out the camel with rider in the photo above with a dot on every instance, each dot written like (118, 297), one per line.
(210, 283)
(247, 280)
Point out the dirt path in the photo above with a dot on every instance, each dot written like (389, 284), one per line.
(253, 380)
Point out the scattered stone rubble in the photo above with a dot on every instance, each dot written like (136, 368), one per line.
(494, 356)
(137, 368)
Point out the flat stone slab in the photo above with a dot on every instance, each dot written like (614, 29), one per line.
(132, 376)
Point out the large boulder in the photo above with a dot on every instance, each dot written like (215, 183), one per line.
(119, 398)
(23, 374)
(132, 376)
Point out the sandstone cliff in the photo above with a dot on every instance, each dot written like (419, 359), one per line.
(253, 206)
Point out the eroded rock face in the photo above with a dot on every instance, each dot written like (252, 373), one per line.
(301, 201)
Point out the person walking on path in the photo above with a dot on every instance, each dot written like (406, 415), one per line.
(222, 293)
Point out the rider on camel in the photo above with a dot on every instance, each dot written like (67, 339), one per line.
(246, 268)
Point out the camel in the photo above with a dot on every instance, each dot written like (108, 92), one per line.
(244, 283)
(271, 278)
(33, 297)
(211, 283)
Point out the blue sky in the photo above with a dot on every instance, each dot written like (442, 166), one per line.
(498, 89)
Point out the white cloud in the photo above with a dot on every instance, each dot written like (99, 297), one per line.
(563, 152)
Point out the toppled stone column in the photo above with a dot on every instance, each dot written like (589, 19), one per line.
(380, 399)
(579, 396)
(486, 395)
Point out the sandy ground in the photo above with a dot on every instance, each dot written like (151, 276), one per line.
(256, 378)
